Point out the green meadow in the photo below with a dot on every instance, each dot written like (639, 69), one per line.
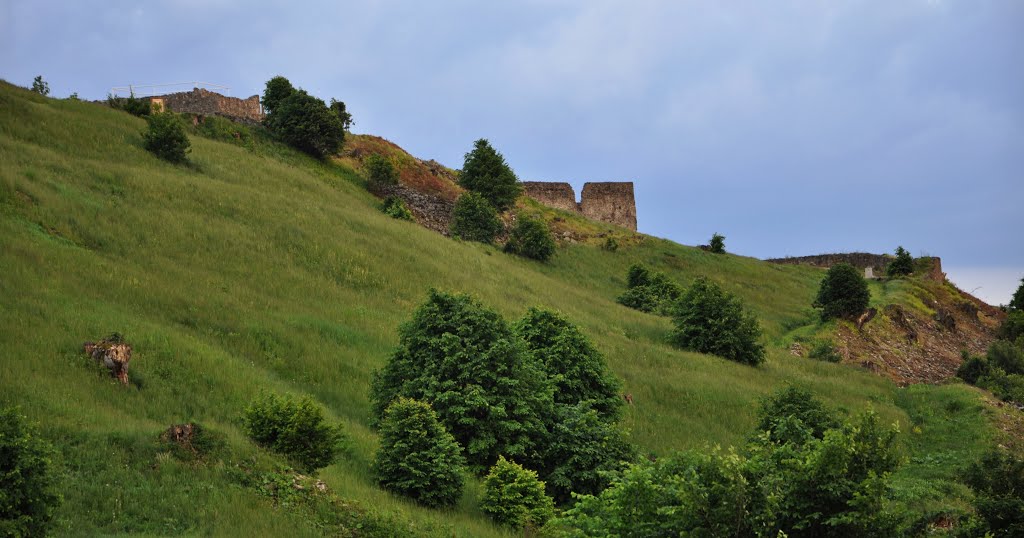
(255, 268)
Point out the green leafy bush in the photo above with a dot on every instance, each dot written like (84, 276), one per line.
(301, 120)
(394, 207)
(485, 172)
(225, 130)
(610, 244)
(133, 105)
(417, 457)
(582, 452)
(902, 265)
(467, 363)
(717, 244)
(27, 497)
(474, 219)
(649, 291)
(40, 86)
(843, 293)
(1017, 301)
(531, 238)
(296, 429)
(824, 350)
(1012, 328)
(972, 368)
(793, 414)
(711, 320)
(1006, 356)
(514, 496)
(998, 483)
(166, 137)
(380, 171)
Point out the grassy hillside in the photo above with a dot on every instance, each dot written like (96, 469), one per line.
(256, 268)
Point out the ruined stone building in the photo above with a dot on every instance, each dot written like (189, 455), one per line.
(203, 102)
(610, 202)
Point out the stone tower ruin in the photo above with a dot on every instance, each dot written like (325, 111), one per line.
(610, 202)
(203, 102)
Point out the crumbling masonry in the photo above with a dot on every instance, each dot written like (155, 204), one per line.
(206, 103)
(610, 202)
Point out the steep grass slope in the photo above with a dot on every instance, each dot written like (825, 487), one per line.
(258, 269)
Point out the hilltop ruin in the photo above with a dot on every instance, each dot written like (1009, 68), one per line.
(203, 102)
(610, 202)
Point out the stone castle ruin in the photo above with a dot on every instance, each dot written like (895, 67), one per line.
(610, 202)
(203, 102)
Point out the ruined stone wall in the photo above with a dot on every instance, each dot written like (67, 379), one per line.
(206, 103)
(860, 260)
(556, 195)
(609, 202)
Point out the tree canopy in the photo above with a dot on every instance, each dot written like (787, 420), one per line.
(486, 172)
(711, 320)
(843, 293)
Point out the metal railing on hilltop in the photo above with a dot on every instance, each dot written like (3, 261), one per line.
(149, 90)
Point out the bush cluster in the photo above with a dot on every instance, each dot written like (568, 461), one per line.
(301, 120)
(486, 173)
(27, 496)
(530, 238)
(133, 105)
(1001, 371)
(394, 207)
(806, 474)
(417, 457)
(474, 219)
(710, 320)
(40, 86)
(166, 137)
(998, 483)
(717, 244)
(901, 265)
(843, 293)
(296, 429)
(380, 172)
(649, 291)
(824, 350)
(514, 496)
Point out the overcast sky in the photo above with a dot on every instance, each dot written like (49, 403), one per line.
(792, 128)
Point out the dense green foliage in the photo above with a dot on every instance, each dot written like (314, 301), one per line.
(1012, 328)
(296, 429)
(901, 265)
(417, 457)
(530, 238)
(649, 291)
(485, 172)
(338, 107)
(394, 207)
(40, 86)
(1001, 371)
(380, 171)
(27, 497)
(843, 293)
(514, 496)
(998, 483)
(710, 320)
(301, 120)
(581, 452)
(972, 368)
(166, 137)
(717, 244)
(474, 219)
(573, 365)
(136, 106)
(225, 130)
(834, 483)
(1017, 301)
(824, 350)
(467, 363)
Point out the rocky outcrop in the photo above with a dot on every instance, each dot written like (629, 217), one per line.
(113, 353)
(206, 103)
(429, 210)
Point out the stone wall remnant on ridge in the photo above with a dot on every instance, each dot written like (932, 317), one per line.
(610, 202)
(206, 103)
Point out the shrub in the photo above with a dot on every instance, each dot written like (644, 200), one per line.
(972, 369)
(843, 293)
(514, 496)
(824, 350)
(998, 483)
(338, 107)
(468, 364)
(225, 130)
(575, 367)
(473, 219)
(1006, 356)
(394, 207)
(717, 244)
(380, 171)
(649, 291)
(531, 238)
(902, 265)
(301, 120)
(40, 86)
(793, 414)
(417, 457)
(1012, 328)
(166, 137)
(583, 450)
(710, 320)
(27, 498)
(296, 429)
(610, 244)
(485, 172)
(131, 104)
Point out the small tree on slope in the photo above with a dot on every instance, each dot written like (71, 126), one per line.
(486, 172)
(843, 293)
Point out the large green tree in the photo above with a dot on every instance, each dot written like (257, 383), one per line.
(302, 120)
(474, 219)
(901, 265)
(467, 363)
(711, 320)
(843, 293)
(486, 172)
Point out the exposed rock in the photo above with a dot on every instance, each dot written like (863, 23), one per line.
(866, 317)
(113, 353)
(796, 349)
(430, 211)
(945, 319)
